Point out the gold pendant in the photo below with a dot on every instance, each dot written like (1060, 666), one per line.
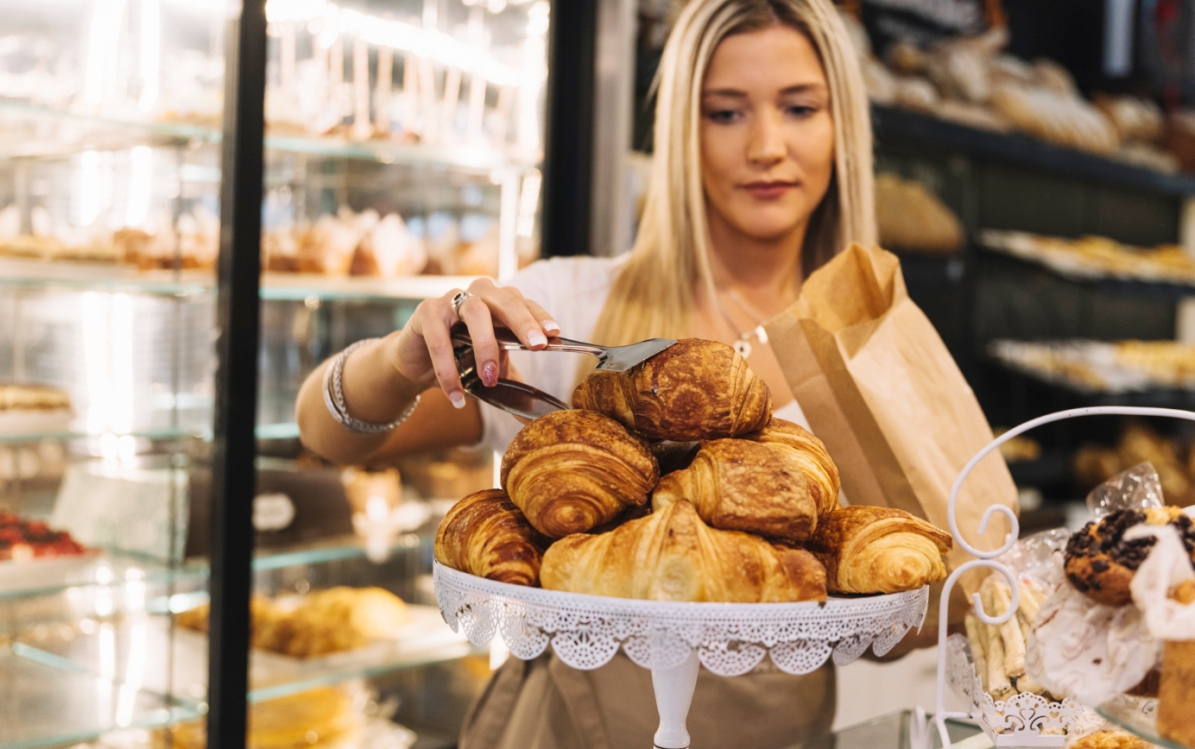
(742, 347)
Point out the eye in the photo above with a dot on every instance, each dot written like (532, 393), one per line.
(723, 116)
(801, 111)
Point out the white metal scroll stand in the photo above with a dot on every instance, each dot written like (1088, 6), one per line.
(919, 728)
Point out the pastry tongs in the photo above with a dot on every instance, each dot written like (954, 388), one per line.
(528, 402)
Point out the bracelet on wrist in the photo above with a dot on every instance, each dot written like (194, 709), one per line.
(334, 397)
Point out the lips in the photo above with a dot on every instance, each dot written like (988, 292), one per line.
(769, 190)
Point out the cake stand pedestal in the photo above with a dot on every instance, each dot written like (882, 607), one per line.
(674, 639)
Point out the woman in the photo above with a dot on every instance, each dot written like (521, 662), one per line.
(762, 172)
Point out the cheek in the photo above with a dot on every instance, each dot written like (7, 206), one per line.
(815, 150)
(718, 161)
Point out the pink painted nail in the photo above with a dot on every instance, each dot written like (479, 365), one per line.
(489, 374)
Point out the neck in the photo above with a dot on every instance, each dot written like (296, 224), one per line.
(767, 273)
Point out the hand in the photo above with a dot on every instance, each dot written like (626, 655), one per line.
(423, 353)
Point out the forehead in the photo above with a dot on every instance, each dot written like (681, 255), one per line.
(776, 58)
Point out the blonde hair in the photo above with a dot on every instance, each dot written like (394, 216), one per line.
(654, 293)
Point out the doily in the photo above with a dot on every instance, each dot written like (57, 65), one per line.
(730, 639)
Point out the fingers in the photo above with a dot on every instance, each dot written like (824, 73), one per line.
(434, 323)
(508, 306)
(476, 316)
(549, 325)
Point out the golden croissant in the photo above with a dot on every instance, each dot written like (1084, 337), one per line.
(571, 471)
(878, 550)
(672, 555)
(810, 454)
(692, 390)
(738, 485)
(485, 535)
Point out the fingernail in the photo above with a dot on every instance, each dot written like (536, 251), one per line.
(536, 338)
(489, 374)
(457, 398)
(551, 327)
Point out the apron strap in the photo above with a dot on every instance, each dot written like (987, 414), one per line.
(581, 702)
(486, 720)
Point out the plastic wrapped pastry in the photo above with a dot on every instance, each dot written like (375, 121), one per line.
(878, 550)
(485, 535)
(671, 555)
(571, 471)
(693, 390)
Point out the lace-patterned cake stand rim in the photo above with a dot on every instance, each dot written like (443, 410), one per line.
(674, 638)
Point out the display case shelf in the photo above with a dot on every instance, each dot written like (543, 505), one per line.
(44, 706)
(78, 132)
(39, 275)
(117, 644)
(892, 123)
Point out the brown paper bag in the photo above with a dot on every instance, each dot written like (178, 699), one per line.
(882, 392)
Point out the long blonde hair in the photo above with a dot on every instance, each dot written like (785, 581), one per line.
(654, 293)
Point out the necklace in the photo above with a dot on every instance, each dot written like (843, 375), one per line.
(742, 346)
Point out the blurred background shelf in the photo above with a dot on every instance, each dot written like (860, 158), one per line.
(934, 133)
(53, 133)
(45, 706)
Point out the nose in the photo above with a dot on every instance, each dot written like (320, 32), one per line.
(766, 144)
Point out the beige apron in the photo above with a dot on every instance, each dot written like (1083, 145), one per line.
(544, 704)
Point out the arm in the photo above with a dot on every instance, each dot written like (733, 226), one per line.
(382, 379)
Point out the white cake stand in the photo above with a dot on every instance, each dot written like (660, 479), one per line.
(672, 639)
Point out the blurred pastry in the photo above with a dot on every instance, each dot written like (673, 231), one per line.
(484, 534)
(573, 470)
(910, 217)
(1111, 738)
(389, 250)
(317, 717)
(22, 540)
(878, 550)
(693, 390)
(671, 555)
(1100, 563)
(1176, 690)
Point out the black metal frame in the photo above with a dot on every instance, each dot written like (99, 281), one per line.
(568, 133)
(237, 310)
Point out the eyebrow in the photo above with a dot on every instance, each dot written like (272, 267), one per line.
(799, 88)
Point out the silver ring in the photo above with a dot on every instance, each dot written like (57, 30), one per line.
(457, 300)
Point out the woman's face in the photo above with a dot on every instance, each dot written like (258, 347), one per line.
(767, 135)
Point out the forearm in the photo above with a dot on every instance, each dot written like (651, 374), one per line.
(374, 392)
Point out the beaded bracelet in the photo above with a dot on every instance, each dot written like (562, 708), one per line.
(334, 397)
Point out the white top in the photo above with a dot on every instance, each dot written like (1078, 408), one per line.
(572, 290)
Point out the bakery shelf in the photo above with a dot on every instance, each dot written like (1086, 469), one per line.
(892, 123)
(27, 436)
(424, 640)
(46, 706)
(82, 131)
(38, 275)
(121, 575)
(1155, 288)
(1153, 398)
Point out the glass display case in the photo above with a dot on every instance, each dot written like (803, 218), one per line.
(403, 156)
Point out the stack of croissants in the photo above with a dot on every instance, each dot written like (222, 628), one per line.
(671, 481)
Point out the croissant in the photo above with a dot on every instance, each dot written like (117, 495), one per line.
(571, 471)
(672, 556)
(737, 485)
(692, 390)
(878, 550)
(485, 535)
(809, 452)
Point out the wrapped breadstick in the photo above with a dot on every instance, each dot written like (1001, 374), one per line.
(1031, 600)
(1010, 632)
(999, 685)
(979, 647)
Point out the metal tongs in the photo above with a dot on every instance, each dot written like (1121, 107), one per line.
(529, 402)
